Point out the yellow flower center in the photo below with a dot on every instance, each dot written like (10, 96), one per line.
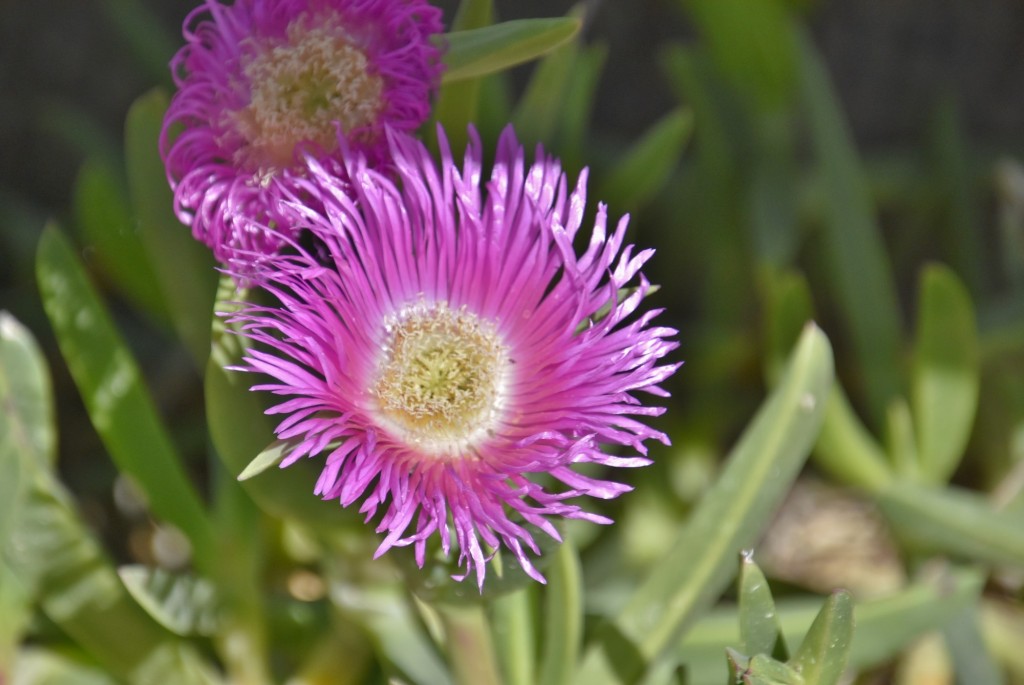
(301, 88)
(441, 378)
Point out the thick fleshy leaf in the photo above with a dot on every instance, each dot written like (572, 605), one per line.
(15, 614)
(855, 255)
(760, 632)
(563, 616)
(482, 51)
(944, 373)
(112, 389)
(823, 654)
(183, 603)
(972, 658)
(104, 220)
(52, 552)
(764, 670)
(384, 613)
(184, 267)
(646, 167)
(757, 475)
(884, 627)
(900, 440)
(845, 449)
(27, 434)
(36, 666)
(512, 618)
(954, 521)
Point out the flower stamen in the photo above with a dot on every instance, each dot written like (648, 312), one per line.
(441, 377)
(303, 87)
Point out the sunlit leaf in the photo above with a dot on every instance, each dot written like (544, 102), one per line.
(823, 654)
(757, 475)
(482, 51)
(27, 434)
(115, 397)
(35, 666)
(182, 603)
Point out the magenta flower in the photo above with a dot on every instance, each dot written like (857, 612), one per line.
(262, 82)
(446, 343)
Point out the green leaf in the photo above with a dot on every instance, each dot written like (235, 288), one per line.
(539, 111)
(183, 603)
(51, 552)
(823, 654)
(15, 615)
(486, 50)
(759, 626)
(845, 448)
(515, 635)
(27, 435)
(573, 135)
(458, 101)
(900, 440)
(855, 255)
(884, 626)
(944, 373)
(954, 521)
(183, 266)
(647, 166)
(384, 613)
(240, 432)
(104, 219)
(563, 617)
(754, 43)
(36, 666)
(764, 670)
(971, 656)
(757, 475)
(111, 387)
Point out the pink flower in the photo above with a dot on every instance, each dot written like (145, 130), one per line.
(446, 344)
(262, 82)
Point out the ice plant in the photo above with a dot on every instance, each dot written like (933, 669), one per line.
(263, 82)
(446, 342)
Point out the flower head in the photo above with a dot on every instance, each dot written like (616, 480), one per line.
(263, 82)
(447, 344)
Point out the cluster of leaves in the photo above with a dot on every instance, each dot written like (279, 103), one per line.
(768, 241)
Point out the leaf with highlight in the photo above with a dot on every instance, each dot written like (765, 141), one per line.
(486, 50)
